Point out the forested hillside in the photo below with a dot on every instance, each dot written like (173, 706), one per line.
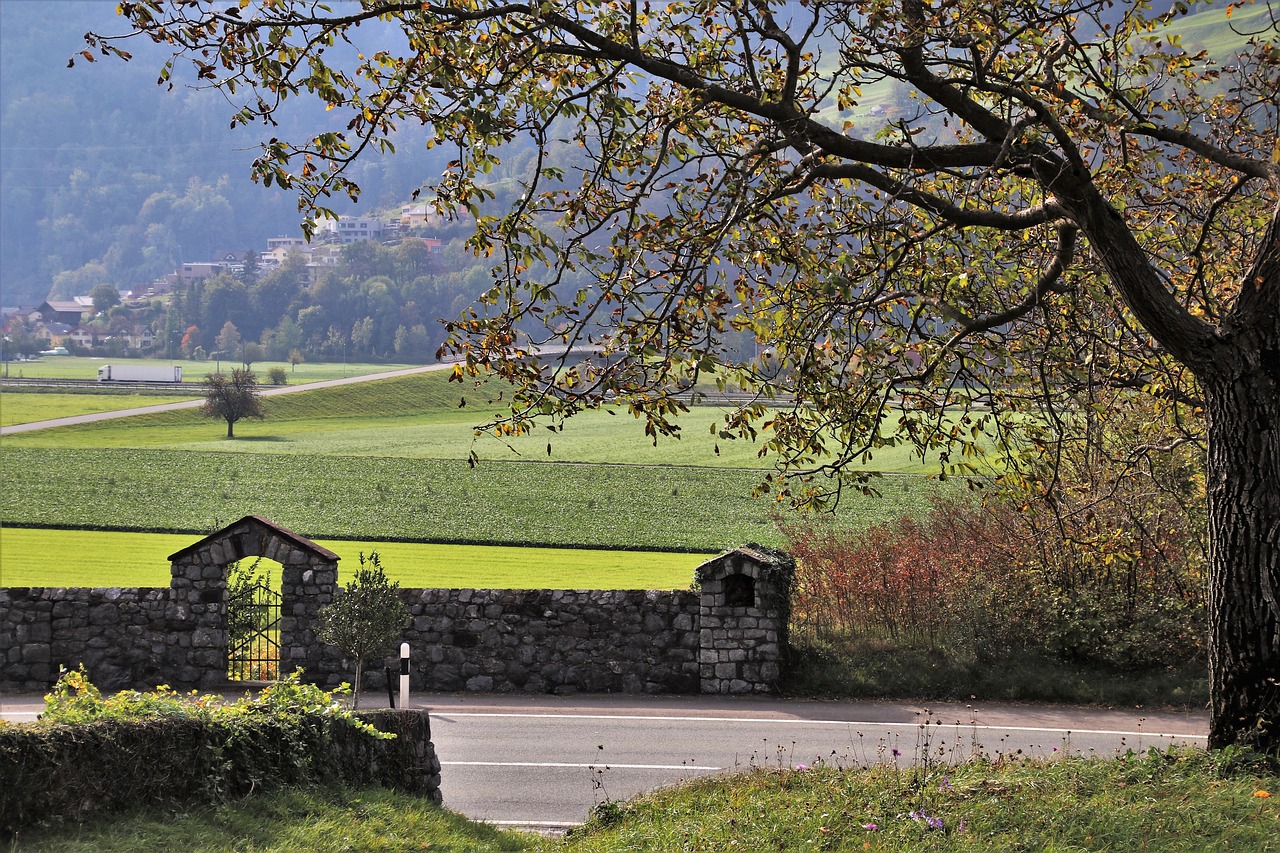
(108, 177)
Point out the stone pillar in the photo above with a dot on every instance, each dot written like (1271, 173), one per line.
(743, 614)
(197, 618)
(307, 583)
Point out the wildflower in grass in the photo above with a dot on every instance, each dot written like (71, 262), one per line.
(1262, 794)
(801, 767)
(895, 752)
(945, 785)
(870, 827)
(921, 817)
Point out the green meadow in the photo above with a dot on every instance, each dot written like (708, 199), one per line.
(28, 408)
(91, 558)
(385, 462)
(78, 367)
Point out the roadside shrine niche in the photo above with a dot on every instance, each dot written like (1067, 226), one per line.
(739, 590)
(199, 600)
(743, 614)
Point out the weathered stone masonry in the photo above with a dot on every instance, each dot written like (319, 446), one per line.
(728, 637)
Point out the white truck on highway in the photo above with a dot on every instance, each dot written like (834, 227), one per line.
(138, 373)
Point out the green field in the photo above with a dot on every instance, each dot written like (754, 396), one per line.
(385, 499)
(26, 408)
(419, 417)
(80, 558)
(385, 462)
(77, 367)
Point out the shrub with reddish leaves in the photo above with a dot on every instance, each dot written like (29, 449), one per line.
(1112, 578)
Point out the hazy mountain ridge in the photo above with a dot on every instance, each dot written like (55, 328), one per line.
(108, 177)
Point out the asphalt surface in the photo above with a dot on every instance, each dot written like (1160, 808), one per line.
(195, 403)
(542, 762)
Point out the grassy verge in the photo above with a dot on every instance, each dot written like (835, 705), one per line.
(1159, 801)
(90, 558)
(862, 669)
(1156, 801)
(300, 819)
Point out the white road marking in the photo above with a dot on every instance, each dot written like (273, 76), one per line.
(444, 715)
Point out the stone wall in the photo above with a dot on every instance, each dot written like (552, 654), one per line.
(122, 634)
(547, 641)
(728, 637)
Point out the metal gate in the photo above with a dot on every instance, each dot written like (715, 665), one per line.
(253, 633)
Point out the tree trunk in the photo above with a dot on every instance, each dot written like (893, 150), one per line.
(355, 691)
(230, 426)
(1243, 407)
(1238, 368)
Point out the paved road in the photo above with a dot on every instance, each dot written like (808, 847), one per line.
(545, 761)
(192, 404)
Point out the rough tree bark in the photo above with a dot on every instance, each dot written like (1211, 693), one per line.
(1242, 402)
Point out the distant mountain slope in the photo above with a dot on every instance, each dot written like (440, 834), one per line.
(105, 176)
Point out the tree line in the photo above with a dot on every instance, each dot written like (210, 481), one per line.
(378, 303)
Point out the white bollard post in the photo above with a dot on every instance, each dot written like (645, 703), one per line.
(404, 676)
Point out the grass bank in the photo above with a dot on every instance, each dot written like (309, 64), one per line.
(422, 416)
(858, 668)
(1156, 801)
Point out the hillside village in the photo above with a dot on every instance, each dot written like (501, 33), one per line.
(119, 322)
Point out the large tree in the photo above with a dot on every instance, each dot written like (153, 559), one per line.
(924, 215)
(232, 398)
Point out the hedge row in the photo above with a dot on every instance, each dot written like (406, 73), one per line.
(52, 773)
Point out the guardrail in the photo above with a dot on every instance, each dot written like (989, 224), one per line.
(192, 388)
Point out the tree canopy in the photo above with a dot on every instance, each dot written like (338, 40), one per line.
(366, 620)
(232, 398)
(934, 220)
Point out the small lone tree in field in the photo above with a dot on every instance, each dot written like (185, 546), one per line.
(366, 619)
(232, 398)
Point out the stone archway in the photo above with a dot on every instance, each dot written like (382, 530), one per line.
(198, 597)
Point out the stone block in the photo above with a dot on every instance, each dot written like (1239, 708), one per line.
(206, 638)
(104, 614)
(36, 653)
